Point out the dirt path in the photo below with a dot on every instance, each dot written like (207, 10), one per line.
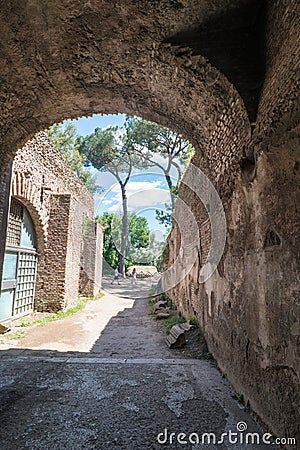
(93, 329)
(104, 379)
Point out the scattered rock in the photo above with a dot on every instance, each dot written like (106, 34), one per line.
(160, 304)
(176, 338)
(4, 329)
(186, 326)
(162, 310)
(162, 315)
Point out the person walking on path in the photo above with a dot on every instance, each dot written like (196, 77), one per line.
(116, 276)
(133, 277)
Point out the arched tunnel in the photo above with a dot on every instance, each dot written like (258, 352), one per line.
(224, 75)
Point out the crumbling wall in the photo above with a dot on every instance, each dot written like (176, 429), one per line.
(67, 60)
(249, 307)
(5, 183)
(91, 258)
(58, 203)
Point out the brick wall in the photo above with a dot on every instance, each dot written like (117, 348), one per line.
(278, 107)
(58, 203)
(91, 261)
(5, 182)
(248, 308)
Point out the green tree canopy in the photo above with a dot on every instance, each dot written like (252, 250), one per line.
(160, 147)
(138, 237)
(138, 144)
(150, 255)
(106, 150)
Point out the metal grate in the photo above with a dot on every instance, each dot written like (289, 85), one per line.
(14, 226)
(24, 297)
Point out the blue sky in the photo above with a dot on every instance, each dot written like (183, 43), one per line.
(86, 125)
(146, 190)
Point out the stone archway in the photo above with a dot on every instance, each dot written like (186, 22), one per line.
(79, 58)
(101, 58)
(176, 89)
(27, 193)
(182, 92)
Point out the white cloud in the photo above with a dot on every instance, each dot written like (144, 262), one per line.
(135, 186)
(107, 201)
(149, 198)
(140, 194)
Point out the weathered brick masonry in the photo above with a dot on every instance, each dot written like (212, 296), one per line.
(224, 74)
(59, 205)
(249, 308)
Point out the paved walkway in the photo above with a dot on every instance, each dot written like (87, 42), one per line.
(104, 379)
(126, 289)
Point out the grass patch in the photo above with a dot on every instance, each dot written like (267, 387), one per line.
(151, 303)
(193, 321)
(208, 355)
(196, 344)
(170, 321)
(239, 397)
(12, 335)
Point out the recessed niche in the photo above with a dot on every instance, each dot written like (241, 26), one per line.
(248, 169)
(272, 239)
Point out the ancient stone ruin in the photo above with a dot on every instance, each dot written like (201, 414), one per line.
(225, 75)
(53, 245)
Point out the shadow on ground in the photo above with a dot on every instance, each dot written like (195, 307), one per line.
(129, 392)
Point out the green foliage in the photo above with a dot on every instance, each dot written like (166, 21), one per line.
(193, 321)
(239, 397)
(150, 138)
(106, 150)
(12, 335)
(138, 144)
(171, 321)
(145, 136)
(151, 303)
(138, 231)
(158, 146)
(61, 314)
(138, 237)
(164, 218)
(110, 252)
(101, 148)
(65, 137)
(150, 255)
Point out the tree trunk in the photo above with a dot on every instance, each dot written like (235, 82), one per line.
(124, 231)
(170, 185)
